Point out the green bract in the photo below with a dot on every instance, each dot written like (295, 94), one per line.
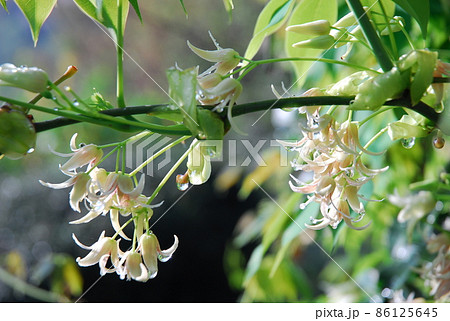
(406, 127)
(374, 92)
(17, 134)
(422, 64)
(28, 78)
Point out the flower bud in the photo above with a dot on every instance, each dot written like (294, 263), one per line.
(396, 24)
(29, 78)
(198, 164)
(17, 134)
(320, 42)
(346, 21)
(226, 59)
(314, 28)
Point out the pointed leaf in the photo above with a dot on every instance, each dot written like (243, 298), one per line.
(36, 12)
(3, 3)
(87, 7)
(307, 11)
(135, 5)
(269, 20)
(184, 8)
(419, 10)
(104, 11)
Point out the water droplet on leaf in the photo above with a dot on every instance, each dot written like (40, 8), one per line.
(408, 142)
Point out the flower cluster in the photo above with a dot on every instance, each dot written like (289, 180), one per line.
(116, 194)
(215, 86)
(332, 152)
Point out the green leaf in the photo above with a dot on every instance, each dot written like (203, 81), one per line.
(105, 12)
(376, 12)
(184, 8)
(36, 12)
(3, 3)
(229, 6)
(271, 18)
(419, 10)
(307, 11)
(294, 229)
(182, 91)
(87, 7)
(135, 5)
(254, 263)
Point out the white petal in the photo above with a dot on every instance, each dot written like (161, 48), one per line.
(114, 216)
(85, 246)
(73, 145)
(139, 188)
(58, 153)
(65, 184)
(87, 218)
(165, 255)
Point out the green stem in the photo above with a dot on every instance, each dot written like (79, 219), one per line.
(377, 135)
(119, 50)
(103, 159)
(252, 64)
(161, 151)
(122, 227)
(29, 289)
(391, 34)
(170, 173)
(371, 35)
(238, 110)
(362, 122)
(104, 118)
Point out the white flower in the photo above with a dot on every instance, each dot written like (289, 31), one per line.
(414, 206)
(198, 164)
(332, 152)
(225, 59)
(80, 183)
(88, 154)
(102, 250)
(151, 252)
(131, 267)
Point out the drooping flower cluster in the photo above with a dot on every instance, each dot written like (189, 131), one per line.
(116, 194)
(331, 151)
